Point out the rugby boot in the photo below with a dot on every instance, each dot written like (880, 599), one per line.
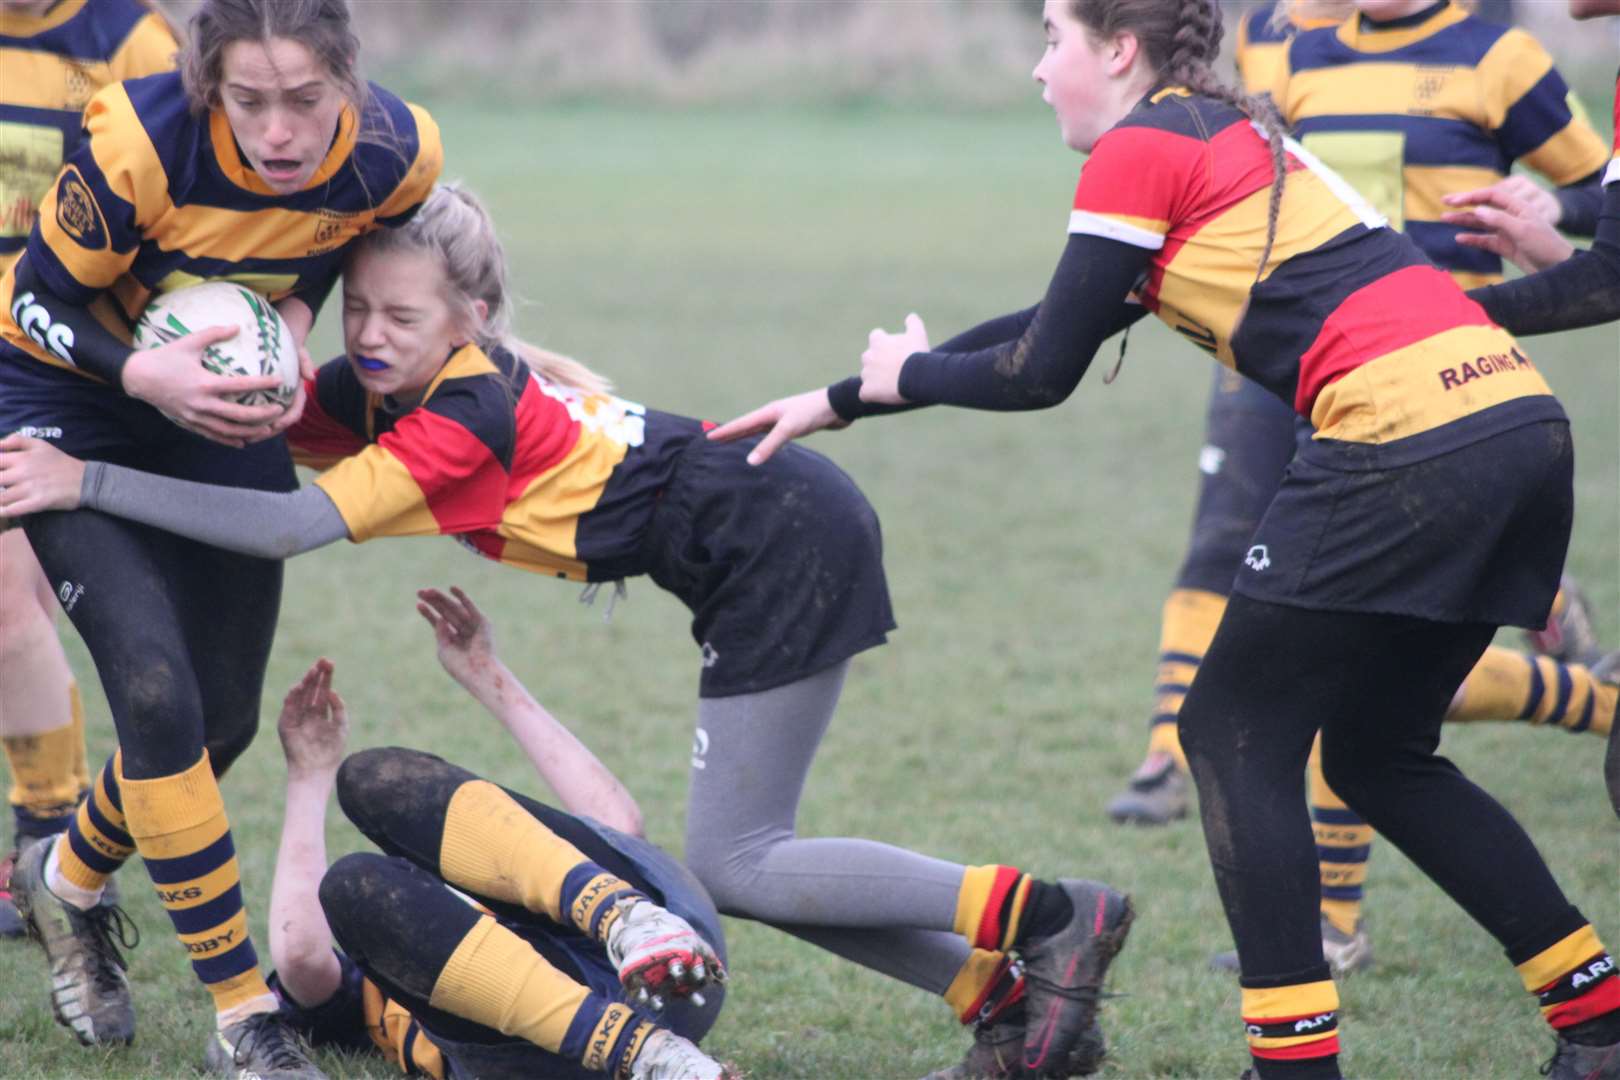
(1568, 635)
(1572, 1061)
(998, 1046)
(1063, 976)
(658, 955)
(1155, 797)
(11, 923)
(1344, 953)
(667, 1056)
(261, 1047)
(89, 990)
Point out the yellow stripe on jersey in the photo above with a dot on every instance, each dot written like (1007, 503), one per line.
(1442, 378)
(549, 510)
(377, 496)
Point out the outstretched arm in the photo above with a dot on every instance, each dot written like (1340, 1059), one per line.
(35, 476)
(466, 642)
(313, 728)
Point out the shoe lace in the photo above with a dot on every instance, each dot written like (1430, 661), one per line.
(109, 928)
(1092, 994)
(268, 1038)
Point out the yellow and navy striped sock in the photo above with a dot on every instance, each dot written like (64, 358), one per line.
(98, 840)
(494, 848)
(1574, 979)
(1507, 685)
(1343, 845)
(47, 774)
(179, 826)
(496, 979)
(1295, 1023)
(1186, 628)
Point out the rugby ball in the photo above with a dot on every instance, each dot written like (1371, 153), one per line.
(263, 344)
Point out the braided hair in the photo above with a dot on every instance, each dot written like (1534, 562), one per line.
(1181, 40)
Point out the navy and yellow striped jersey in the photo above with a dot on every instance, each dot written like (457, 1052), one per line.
(1349, 322)
(52, 65)
(1442, 101)
(1262, 46)
(519, 469)
(158, 198)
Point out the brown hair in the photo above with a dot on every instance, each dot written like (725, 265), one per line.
(321, 26)
(1181, 39)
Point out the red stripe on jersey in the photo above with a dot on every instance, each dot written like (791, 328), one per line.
(1602, 998)
(1397, 310)
(1240, 165)
(1617, 115)
(545, 435)
(317, 434)
(462, 483)
(1299, 1051)
(489, 544)
(1139, 172)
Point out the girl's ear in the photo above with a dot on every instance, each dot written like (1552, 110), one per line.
(1121, 53)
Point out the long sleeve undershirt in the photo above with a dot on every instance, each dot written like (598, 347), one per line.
(95, 349)
(1580, 204)
(1583, 290)
(266, 524)
(1083, 307)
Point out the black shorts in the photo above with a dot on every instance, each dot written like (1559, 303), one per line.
(96, 422)
(781, 564)
(1250, 435)
(1477, 534)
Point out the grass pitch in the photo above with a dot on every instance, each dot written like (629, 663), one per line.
(711, 260)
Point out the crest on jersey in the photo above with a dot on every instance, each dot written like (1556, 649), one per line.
(77, 212)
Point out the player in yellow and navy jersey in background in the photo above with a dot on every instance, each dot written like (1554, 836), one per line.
(55, 55)
(528, 968)
(438, 422)
(259, 161)
(1250, 435)
(1380, 570)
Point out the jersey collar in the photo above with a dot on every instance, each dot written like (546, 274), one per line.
(1364, 35)
(241, 174)
(14, 25)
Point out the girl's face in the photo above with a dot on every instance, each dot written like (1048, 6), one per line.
(283, 107)
(1079, 78)
(397, 328)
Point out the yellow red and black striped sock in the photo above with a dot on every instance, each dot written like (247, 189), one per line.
(1294, 1023)
(1507, 685)
(1574, 979)
(1186, 628)
(179, 826)
(1343, 845)
(986, 986)
(990, 905)
(493, 847)
(496, 979)
(97, 840)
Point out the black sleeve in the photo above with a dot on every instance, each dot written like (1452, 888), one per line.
(340, 1020)
(65, 329)
(1580, 204)
(315, 294)
(1583, 290)
(1084, 305)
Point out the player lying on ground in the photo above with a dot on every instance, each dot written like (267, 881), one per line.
(544, 970)
(437, 421)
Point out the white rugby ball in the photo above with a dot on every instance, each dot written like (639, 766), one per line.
(263, 344)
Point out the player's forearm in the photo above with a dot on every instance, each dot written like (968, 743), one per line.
(67, 331)
(583, 784)
(300, 939)
(265, 524)
(1580, 204)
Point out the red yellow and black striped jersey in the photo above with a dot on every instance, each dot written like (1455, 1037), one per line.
(1412, 109)
(50, 66)
(1349, 321)
(158, 198)
(1262, 45)
(519, 469)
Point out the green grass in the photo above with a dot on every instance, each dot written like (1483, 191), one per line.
(710, 260)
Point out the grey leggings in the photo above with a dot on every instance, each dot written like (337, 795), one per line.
(889, 909)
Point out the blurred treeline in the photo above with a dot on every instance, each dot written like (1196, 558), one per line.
(962, 53)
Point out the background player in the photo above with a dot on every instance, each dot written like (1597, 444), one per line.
(59, 53)
(1244, 242)
(526, 983)
(259, 161)
(437, 421)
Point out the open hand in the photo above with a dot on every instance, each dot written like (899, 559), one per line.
(1509, 225)
(465, 636)
(314, 724)
(782, 421)
(36, 476)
